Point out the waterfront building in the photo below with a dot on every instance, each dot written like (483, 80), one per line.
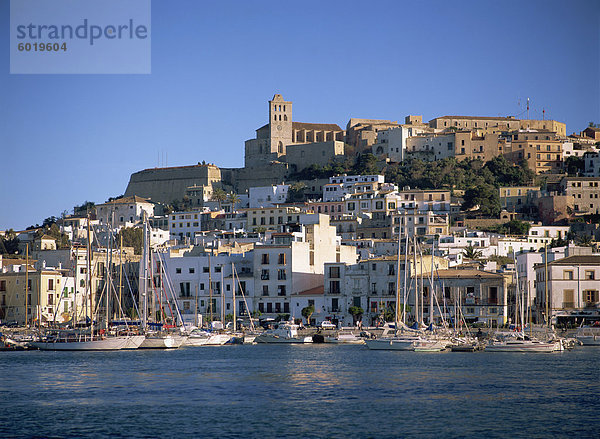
(568, 284)
(294, 261)
(50, 295)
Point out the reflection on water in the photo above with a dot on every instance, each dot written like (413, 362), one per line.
(289, 391)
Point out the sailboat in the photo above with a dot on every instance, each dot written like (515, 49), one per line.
(519, 341)
(406, 340)
(69, 340)
(153, 339)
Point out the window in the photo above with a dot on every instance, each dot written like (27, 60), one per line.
(568, 274)
(334, 287)
(334, 272)
(265, 290)
(590, 296)
(184, 289)
(264, 275)
(281, 274)
(281, 290)
(178, 270)
(590, 275)
(191, 270)
(568, 299)
(265, 258)
(281, 259)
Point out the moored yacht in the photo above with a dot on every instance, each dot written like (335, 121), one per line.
(284, 333)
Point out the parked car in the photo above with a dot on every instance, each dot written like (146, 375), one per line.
(326, 324)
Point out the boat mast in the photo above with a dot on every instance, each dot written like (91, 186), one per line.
(397, 314)
(416, 280)
(432, 287)
(210, 288)
(121, 278)
(26, 285)
(546, 284)
(406, 251)
(88, 278)
(223, 296)
(144, 275)
(233, 296)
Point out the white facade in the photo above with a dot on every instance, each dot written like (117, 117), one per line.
(592, 164)
(391, 143)
(125, 212)
(267, 196)
(432, 147)
(341, 186)
(526, 272)
(184, 225)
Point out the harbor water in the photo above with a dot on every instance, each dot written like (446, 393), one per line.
(300, 391)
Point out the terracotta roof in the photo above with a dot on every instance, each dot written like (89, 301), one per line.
(576, 260)
(316, 291)
(468, 273)
(125, 200)
(316, 126)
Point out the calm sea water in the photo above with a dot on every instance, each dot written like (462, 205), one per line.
(272, 391)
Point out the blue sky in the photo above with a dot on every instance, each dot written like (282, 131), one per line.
(65, 139)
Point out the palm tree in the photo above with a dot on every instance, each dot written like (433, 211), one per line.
(233, 198)
(471, 253)
(219, 195)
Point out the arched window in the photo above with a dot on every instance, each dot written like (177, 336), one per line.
(285, 117)
(280, 117)
(275, 117)
(280, 108)
(280, 148)
(284, 110)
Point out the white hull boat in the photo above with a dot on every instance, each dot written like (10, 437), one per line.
(429, 346)
(159, 341)
(588, 336)
(202, 338)
(393, 343)
(523, 346)
(345, 338)
(285, 333)
(96, 344)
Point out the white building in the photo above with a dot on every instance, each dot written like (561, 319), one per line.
(124, 212)
(341, 186)
(184, 225)
(572, 284)
(592, 164)
(267, 196)
(391, 143)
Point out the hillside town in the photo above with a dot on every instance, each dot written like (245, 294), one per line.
(461, 217)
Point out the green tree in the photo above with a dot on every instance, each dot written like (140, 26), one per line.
(9, 243)
(356, 312)
(219, 196)
(574, 165)
(296, 192)
(516, 227)
(471, 253)
(307, 312)
(233, 198)
(132, 237)
(486, 197)
(365, 164)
